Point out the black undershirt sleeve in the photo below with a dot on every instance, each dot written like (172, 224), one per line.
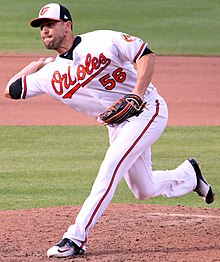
(146, 52)
(15, 89)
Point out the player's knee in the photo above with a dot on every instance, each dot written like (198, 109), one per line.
(143, 195)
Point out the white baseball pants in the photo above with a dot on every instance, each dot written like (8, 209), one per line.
(129, 156)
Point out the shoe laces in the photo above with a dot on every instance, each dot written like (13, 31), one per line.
(65, 243)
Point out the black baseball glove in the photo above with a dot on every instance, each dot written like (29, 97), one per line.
(126, 107)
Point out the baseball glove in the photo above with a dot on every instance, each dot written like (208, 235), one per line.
(126, 107)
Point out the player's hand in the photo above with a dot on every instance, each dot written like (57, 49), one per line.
(33, 67)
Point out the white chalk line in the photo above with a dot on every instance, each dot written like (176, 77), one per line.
(182, 215)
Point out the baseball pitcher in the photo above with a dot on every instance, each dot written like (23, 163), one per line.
(107, 75)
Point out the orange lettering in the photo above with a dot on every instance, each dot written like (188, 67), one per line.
(57, 79)
(63, 82)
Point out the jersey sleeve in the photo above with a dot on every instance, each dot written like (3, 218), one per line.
(33, 84)
(130, 47)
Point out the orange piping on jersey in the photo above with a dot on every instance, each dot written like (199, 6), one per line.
(139, 52)
(25, 88)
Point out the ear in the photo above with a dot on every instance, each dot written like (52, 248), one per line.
(69, 26)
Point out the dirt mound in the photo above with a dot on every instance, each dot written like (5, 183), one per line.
(124, 233)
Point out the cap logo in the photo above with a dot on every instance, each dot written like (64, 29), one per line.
(44, 10)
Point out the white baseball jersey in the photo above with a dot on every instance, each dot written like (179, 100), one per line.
(99, 72)
(96, 73)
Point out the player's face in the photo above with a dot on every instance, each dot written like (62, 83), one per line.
(52, 34)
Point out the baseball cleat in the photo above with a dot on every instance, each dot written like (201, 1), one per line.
(65, 248)
(203, 188)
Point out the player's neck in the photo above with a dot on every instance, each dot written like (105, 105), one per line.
(66, 45)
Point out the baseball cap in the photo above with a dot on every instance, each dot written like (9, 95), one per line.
(51, 11)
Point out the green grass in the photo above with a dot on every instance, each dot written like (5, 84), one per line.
(172, 27)
(55, 166)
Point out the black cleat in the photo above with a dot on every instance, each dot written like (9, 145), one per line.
(209, 197)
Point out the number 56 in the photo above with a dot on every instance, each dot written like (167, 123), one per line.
(109, 81)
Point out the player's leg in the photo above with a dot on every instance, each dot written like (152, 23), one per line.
(128, 141)
(145, 183)
(119, 157)
(125, 148)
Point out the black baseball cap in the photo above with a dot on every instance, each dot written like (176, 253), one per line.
(51, 11)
